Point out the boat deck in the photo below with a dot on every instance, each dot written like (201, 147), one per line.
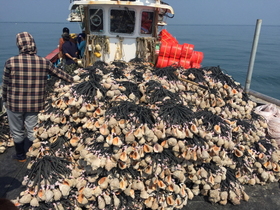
(264, 197)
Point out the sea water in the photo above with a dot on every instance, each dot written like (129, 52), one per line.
(227, 46)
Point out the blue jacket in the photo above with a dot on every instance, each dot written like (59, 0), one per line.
(81, 46)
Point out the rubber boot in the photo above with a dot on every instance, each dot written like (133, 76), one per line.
(27, 145)
(20, 153)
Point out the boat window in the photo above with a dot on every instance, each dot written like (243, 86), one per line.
(96, 20)
(146, 22)
(122, 21)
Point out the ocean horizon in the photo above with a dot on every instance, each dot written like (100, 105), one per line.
(227, 46)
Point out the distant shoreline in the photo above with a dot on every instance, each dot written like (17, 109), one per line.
(172, 24)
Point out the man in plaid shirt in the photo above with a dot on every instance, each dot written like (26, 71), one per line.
(24, 82)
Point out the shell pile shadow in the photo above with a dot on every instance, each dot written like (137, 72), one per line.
(129, 136)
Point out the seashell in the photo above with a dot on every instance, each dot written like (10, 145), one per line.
(117, 141)
(97, 191)
(170, 200)
(122, 165)
(41, 194)
(25, 199)
(157, 148)
(107, 85)
(99, 95)
(49, 196)
(149, 202)
(215, 150)
(135, 155)
(148, 170)
(34, 202)
(217, 129)
(176, 149)
(276, 167)
(57, 194)
(110, 163)
(116, 201)
(268, 165)
(224, 196)
(217, 159)
(190, 193)
(189, 134)
(122, 123)
(114, 184)
(129, 137)
(116, 130)
(99, 111)
(107, 198)
(214, 196)
(262, 157)
(144, 194)
(178, 133)
(101, 202)
(234, 198)
(155, 205)
(123, 184)
(262, 148)
(74, 141)
(161, 184)
(194, 129)
(264, 176)
(104, 130)
(181, 145)
(90, 107)
(180, 175)
(252, 181)
(83, 109)
(103, 182)
(109, 139)
(147, 148)
(168, 180)
(81, 183)
(204, 154)
(272, 178)
(164, 144)
(82, 199)
(245, 196)
(172, 142)
(170, 187)
(159, 134)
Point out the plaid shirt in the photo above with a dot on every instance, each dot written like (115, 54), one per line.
(25, 77)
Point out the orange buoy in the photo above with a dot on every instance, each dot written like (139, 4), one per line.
(165, 50)
(162, 62)
(187, 50)
(185, 63)
(166, 37)
(197, 57)
(175, 51)
(196, 65)
(173, 61)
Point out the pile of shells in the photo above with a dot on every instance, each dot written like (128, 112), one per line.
(129, 136)
(5, 138)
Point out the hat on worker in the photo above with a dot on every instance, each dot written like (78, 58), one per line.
(65, 30)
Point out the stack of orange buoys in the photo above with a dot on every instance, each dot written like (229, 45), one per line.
(171, 52)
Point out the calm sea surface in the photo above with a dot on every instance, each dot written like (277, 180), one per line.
(227, 46)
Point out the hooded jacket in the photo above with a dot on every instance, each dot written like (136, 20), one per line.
(25, 77)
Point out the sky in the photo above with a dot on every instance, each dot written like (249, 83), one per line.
(244, 12)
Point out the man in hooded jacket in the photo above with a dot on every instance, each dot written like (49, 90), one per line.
(24, 82)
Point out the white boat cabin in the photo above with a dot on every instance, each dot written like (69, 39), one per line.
(120, 29)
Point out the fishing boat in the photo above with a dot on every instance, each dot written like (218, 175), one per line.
(124, 30)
